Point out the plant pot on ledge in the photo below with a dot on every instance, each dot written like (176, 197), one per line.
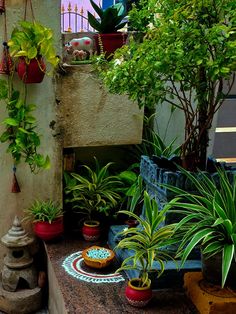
(49, 231)
(109, 42)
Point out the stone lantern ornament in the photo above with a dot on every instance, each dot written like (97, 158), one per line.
(19, 291)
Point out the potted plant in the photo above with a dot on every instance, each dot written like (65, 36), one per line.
(147, 243)
(209, 220)
(31, 42)
(47, 217)
(107, 25)
(92, 195)
(185, 61)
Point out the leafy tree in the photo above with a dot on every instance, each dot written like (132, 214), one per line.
(186, 59)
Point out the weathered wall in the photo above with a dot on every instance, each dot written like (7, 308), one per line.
(46, 184)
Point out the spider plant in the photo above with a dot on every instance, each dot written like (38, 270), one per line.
(209, 218)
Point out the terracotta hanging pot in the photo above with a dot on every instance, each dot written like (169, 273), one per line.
(137, 295)
(33, 72)
(2, 6)
(91, 230)
(49, 231)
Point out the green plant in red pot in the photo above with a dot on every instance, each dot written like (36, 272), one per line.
(31, 43)
(93, 195)
(147, 242)
(107, 25)
(47, 217)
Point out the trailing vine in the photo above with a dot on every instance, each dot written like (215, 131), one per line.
(20, 128)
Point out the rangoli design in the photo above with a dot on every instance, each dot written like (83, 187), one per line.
(75, 266)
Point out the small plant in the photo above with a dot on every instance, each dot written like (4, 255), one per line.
(44, 211)
(94, 192)
(147, 242)
(209, 219)
(31, 40)
(110, 20)
(20, 129)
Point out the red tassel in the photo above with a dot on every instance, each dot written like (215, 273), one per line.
(2, 6)
(15, 186)
(6, 64)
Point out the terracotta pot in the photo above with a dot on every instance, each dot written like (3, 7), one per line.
(131, 223)
(96, 262)
(137, 296)
(110, 42)
(211, 271)
(33, 72)
(91, 230)
(46, 231)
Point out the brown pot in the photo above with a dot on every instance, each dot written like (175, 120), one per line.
(211, 271)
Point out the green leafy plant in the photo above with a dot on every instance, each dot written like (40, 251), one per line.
(186, 60)
(20, 129)
(31, 40)
(47, 211)
(110, 20)
(147, 242)
(94, 192)
(209, 218)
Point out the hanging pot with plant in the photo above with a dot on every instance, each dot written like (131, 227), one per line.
(31, 42)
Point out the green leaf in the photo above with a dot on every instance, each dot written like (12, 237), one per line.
(228, 253)
(11, 121)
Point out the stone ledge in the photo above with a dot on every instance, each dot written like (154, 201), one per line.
(209, 299)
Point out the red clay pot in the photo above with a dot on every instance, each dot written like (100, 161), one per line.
(137, 296)
(110, 42)
(46, 231)
(91, 230)
(33, 72)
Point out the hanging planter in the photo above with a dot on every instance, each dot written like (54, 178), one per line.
(2, 6)
(32, 72)
(30, 43)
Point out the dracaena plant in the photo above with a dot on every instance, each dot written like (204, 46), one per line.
(20, 129)
(209, 218)
(31, 40)
(94, 192)
(148, 241)
(109, 20)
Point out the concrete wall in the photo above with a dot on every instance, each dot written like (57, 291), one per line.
(46, 184)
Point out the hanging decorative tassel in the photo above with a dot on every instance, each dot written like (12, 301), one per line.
(2, 6)
(6, 64)
(15, 186)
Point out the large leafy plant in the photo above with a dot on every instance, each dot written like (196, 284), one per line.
(20, 130)
(147, 242)
(94, 192)
(110, 20)
(47, 211)
(186, 60)
(32, 40)
(209, 218)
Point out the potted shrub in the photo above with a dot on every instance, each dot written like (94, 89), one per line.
(92, 195)
(31, 42)
(186, 61)
(147, 243)
(209, 220)
(107, 25)
(47, 218)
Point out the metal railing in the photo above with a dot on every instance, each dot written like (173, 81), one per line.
(73, 20)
